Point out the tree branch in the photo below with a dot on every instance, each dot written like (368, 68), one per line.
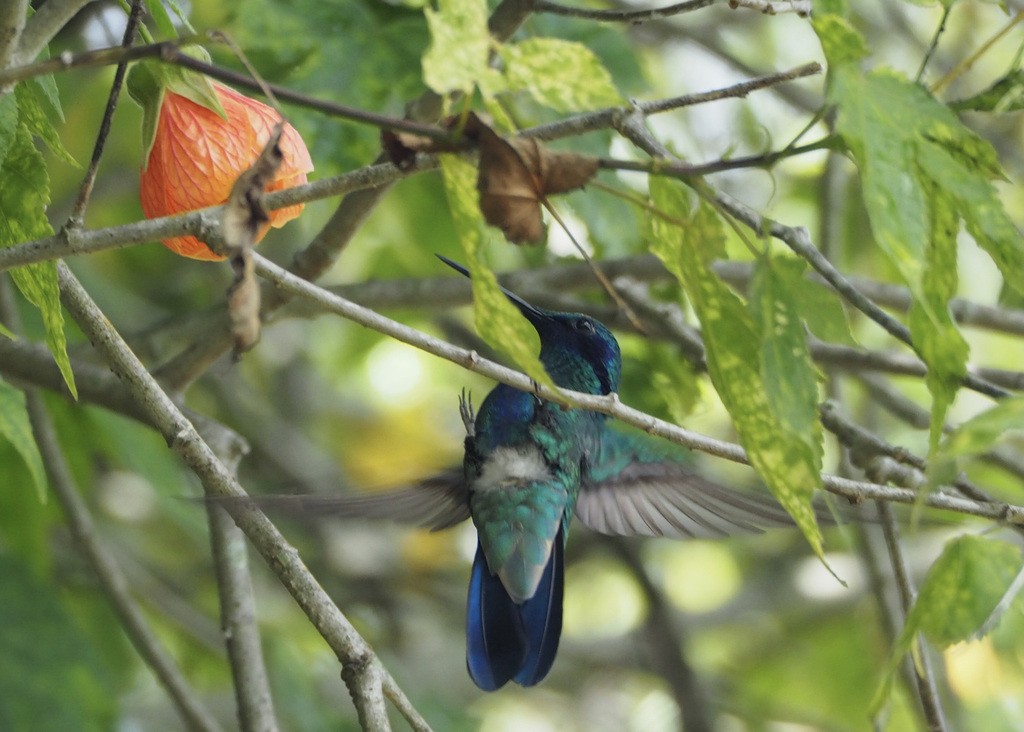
(103, 564)
(12, 23)
(768, 7)
(217, 480)
(85, 190)
(633, 128)
(610, 404)
(927, 692)
(40, 29)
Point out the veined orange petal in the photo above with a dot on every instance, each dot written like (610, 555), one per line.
(197, 156)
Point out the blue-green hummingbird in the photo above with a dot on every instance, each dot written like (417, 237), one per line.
(530, 465)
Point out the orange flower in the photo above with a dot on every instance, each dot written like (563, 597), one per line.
(197, 155)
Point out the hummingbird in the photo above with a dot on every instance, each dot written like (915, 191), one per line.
(530, 466)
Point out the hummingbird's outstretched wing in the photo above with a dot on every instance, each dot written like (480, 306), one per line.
(641, 486)
(436, 503)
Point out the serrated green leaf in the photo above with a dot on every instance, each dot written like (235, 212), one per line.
(498, 321)
(977, 202)
(676, 383)
(1005, 95)
(822, 8)
(47, 86)
(790, 378)
(902, 138)
(32, 114)
(161, 19)
(962, 590)
(24, 196)
(983, 430)
(840, 42)
(786, 461)
(182, 15)
(976, 435)
(459, 45)
(823, 312)
(932, 327)
(922, 172)
(8, 123)
(192, 85)
(15, 426)
(563, 75)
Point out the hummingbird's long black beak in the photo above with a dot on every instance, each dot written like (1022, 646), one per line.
(532, 314)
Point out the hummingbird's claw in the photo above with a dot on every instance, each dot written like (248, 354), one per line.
(467, 412)
(536, 390)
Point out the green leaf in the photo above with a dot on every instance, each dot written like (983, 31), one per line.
(24, 196)
(1005, 95)
(190, 84)
(977, 435)
(962, 592)
(563, 75)
(32, 106)
(977, 202)
(15, 426)
(922, 173)
(823, 8)
(932, 327)
(459, 46)
(161, 19)
(147, 82)
(841, 43)
(823, 312)
(49, 96)
(688, 244)
(498, 321)
(790, 378)
(8, 124)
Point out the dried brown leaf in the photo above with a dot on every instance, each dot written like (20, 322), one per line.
(244, 216)
(517, 175)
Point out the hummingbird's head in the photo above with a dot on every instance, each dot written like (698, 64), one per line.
(578, 351)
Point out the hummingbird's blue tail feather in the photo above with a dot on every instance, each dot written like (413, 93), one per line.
(506, 641)
(495, 638)
(542, 619)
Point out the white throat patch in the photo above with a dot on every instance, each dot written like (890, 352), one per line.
(512, 466)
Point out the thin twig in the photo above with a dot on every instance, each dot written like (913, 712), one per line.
(899, 405)
(927, 692)
(610, 404)
(184, 698)
(934, 43)
(767, 7)
(203, 222)
(12, 23)
(217, 480)
(238, 624)
(621, 16)
(377, 176)
(46, 23)
(85, 191)
(633, 128)
(238, 610)
(968, 62)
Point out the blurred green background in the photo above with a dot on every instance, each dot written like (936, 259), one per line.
(774, 641)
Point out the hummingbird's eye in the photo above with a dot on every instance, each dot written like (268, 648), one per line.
(584, 325)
